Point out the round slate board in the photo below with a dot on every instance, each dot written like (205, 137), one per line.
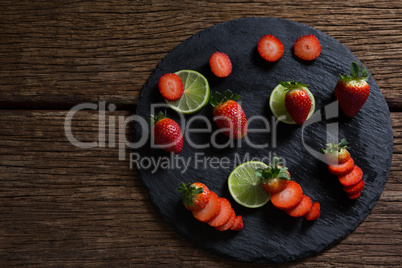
(269, 235)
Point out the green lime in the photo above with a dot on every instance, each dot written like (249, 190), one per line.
(195, 95)
(277, 104)
(245, 187)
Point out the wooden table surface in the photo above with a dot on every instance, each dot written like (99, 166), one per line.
(61, 205)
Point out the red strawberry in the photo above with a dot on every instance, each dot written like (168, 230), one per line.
(274, 178)
(342, 169)
(270, 48)
(352, 91)
(314, 212)
(170, 86)
(297, 101)
(355, 188)
(220, 64)
(352, 177)
(307, 47)
(288, 198)
(228, 114)
(224, 214)
(195, 195)
(228, 224)
(302, 209)
(354, 195)
(210, 211)
(167, 133)
(336, 154)
(238, 224)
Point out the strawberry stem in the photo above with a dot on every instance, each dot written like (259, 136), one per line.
(155, 118)
(332, 147)
(355, 71)
(188, 191)
(217, 98)
(292, 84)
(273, 171)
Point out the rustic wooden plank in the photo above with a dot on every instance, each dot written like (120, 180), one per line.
(54, 55)
(65, 206)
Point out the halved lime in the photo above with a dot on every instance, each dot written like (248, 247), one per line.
(195, 95)
(277, 104)
(245, 187)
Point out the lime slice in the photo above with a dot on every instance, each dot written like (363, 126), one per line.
(245, 187)
(277, 104)
(195, 95)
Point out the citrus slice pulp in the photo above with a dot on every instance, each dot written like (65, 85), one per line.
(245, 187)
(195, 95)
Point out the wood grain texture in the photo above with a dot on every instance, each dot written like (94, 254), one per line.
(55, 54)
(63, 205)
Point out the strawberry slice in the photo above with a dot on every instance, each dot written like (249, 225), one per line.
(270, 48)
(307, 47)
(220, 64)
(314, 212)
(170, 86)
(211, 210)
(224, 214)
(354, 195)
(302, 209)
(238, 224)
(355, 188)
(228, 224)
(342, 169)
(352, 177)
(289, 198)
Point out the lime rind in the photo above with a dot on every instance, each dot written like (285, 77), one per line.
(245, 187)
(196, 93)
(277, 104)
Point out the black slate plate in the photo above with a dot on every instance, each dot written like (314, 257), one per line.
(269, 235)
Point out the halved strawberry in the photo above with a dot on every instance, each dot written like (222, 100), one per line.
(238, 224)
(288, 198)
(307, 47)
(220, 64)
(355, 195)
(302, 209)
(314, 212)
(358, 187)
(342, 169)
(270, 48)
(228, 224)
(224, 214)
(210, 211)
(170, 86)
(352, 177)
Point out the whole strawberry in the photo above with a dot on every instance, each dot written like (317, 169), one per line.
(228, 114)
(297, 101)
(352, 91)
(167, 133)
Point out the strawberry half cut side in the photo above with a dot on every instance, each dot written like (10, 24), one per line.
(228, 224)
(314, 212)
(302, 209)
(210, 211)
(289, 198)
(342, 169)
(170, 86)
(352, 177)
(224, 214)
